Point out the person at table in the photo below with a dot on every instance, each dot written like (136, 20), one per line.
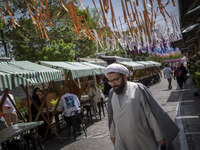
(69, 102)
(37, 97)
(3, 123)
(135, 118)
(9, 110)
(95, 95)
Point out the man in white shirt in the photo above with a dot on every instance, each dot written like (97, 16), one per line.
(69, 102)
(169, 74)
(9, 110)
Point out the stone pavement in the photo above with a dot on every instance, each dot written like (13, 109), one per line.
(181, 105)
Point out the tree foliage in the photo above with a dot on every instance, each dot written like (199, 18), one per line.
(25, 44)
(57, 51)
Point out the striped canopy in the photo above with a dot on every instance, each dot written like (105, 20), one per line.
(12, 74)
(78, 69)
(146, 63)
(134, 65)
(156, 64)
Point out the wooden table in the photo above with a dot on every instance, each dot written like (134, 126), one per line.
(17, 129)
(85, 99)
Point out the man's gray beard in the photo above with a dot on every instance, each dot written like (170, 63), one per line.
(121, 87)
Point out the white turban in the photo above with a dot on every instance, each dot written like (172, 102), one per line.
(116, 68)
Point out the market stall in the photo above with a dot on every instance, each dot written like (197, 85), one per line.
(135, 69)
(25, 73)
(76, 74)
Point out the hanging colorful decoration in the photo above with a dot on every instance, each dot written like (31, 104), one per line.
(145, 36)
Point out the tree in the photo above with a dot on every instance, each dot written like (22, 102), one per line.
(25, 44)
(57, 51)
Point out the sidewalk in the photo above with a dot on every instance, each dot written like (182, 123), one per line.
(180, 104)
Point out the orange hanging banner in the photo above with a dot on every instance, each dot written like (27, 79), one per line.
(9, 12)
(65, 8)
(112, 14)
(30, 12)
(106, 5)
(41, 17)
(173, 3)
(44, 12)
(82, 6)
(3, 17)
(95, 7)
(137, 3)
(59, 12)
(47, 10)
(104, 17)
(124, 11)
(74, 16)
(38, 23)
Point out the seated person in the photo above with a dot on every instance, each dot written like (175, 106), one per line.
(9, 110)
(3, 123)
(95, 95)
(37, 97)
(69, 102)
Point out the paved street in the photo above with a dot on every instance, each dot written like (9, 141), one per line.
(180, 104)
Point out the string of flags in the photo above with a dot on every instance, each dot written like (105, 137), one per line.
(145, 36)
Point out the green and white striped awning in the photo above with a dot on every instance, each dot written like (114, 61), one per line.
(12, 74)
(157, 64)
(147, 64)
(134, 65)
(78, 69)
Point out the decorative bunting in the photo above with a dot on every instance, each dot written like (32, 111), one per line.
(3, 17)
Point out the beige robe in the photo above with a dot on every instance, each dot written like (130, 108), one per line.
(134, 126)
(96, 95)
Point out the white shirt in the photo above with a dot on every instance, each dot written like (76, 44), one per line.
(8, 103)
(69, 102)
(167, 71)
(96, 94)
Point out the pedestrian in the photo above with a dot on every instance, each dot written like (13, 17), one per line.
(95, 95)
(9, 110)
(182, 75)
(136, 121)
(175, 72)
(168, 73)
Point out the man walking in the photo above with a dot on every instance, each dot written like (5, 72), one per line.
(169, 74)
(133, 123)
